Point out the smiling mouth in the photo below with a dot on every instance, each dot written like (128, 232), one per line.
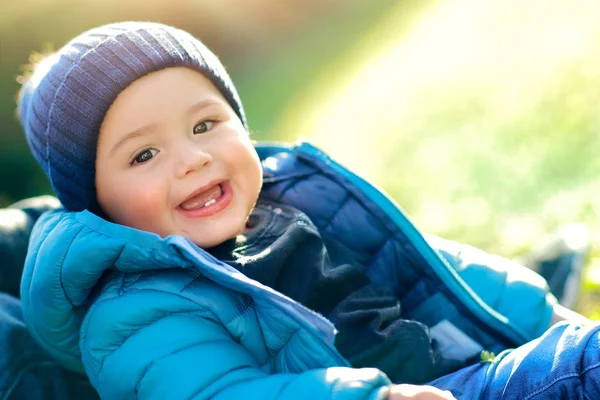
(207, 201)
(203, 199)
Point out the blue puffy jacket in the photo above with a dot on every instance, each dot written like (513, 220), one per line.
(149, 317)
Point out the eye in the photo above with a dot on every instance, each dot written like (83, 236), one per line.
(203, 126)
(144, 156)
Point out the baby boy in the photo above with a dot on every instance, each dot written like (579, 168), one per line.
(140, 124)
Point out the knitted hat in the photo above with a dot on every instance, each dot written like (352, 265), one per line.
(64, 102)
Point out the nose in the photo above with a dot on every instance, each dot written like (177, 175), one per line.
(190, 158)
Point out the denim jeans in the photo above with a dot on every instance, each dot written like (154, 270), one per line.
(26, 373)
(564, 363)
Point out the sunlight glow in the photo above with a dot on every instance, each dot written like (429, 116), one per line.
(503, 50)
(457, 104)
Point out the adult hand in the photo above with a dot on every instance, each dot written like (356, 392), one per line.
(418, 392)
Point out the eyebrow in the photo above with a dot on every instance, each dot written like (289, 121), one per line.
(133, 134)
(203, 104)
(144, 129)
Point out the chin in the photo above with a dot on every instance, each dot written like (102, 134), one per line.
(206, 244)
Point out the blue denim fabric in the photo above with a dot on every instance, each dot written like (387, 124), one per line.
(562, 364)
(26, 373)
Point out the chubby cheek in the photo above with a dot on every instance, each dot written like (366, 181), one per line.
(242, 158)
(141, 205)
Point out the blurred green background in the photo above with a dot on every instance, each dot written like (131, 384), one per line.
(480, 118)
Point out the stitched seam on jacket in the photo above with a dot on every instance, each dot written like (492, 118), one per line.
(138, 382)
(191, 282)
(136, 331)
(248, 302)
(264, 341)
(248, 305)
(114, 264)
(197, 392)
(377, 253)
(136, 290)
(282, 388)
(133, 290)
(288, 187)
(284, 345)
(122, 285)
(347, 198)
(136, 279)
(118, 255)
(62, 264)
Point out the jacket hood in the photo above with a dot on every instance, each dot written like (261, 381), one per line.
(69, 254)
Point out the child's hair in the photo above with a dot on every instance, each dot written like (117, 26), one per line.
(62, 103)
(37, 60)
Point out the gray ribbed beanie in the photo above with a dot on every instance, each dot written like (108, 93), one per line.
(64, 102)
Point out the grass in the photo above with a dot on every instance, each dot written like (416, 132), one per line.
(483, 125)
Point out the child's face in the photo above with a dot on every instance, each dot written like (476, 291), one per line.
(174, 158)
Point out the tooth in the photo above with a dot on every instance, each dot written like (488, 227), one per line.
(210, 202)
